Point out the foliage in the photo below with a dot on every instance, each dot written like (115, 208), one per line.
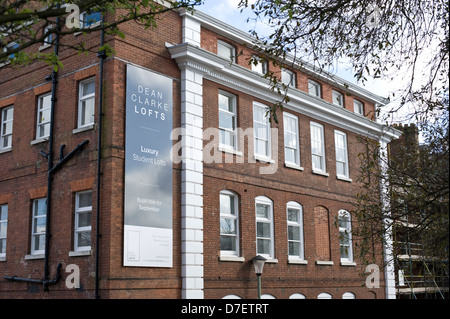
(416, 178)
(378, 38)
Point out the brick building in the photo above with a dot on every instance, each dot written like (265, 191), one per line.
(283, 191)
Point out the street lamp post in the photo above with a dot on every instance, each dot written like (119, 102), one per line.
(258, 263)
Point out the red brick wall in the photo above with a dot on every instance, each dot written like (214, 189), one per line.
(321, 197)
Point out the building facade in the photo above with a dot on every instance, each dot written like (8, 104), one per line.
(241, 185)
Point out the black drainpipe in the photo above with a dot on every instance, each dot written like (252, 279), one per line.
(102, 56)
(51, 169)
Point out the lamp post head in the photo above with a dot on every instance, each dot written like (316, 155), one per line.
(258, 263)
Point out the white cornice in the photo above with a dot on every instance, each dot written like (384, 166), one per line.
(244, 38)
(245, 80)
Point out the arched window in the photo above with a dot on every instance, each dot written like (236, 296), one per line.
(324, 295)
(264, 227)
(348, 295)
(297, 296)
(229, 224)
(345, 236)
(295, 230)
(231, 297)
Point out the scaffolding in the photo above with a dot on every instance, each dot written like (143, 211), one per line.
(418, 276)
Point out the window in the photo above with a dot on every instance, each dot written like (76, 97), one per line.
(226, 50)
(340, 139)
(345, 236)
(43, 116)
(260, 66)
(229, 224)
(83, 214)
(264, 227)
(38, 226)
(295, 230)
(291, 141)
(227, 120)
(338, 98)
(11, 46)
(358, 107)
(48, 39)
(3, 229)
(6, 117)
(324, 295)
(261, 127)
(89, 19)
(317, 147)
(348, 295)
(288, 78)
(314, 88)
(86, 103)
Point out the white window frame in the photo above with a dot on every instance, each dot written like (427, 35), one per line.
(83, 98)
(344, 149)
(262, 200)
(358, 107)
(321, 149)
(48, 39)
(34, 217)
(258, 155)
(3, 228)
(317, 88)
(298, 224)
(13, 45)
(345, 230)
(84, 23)
(232, 100)
(40, 121)
(260, 66)
(288, 78)
(77, 228)
(338, 98)
(3, 122)
(297, 140)
(226, 50)
(234, 218)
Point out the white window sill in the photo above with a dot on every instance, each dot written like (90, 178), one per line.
(3, 258)
(324, 262)
(83, 129)
(34, 256)
(271, 261)
(229, 150)
(320, 173)
(80, 253)
(6, 150)
(45, 46)
(263, 159)
(39, 140)
(344, 178)
(348, 263)
(297, 261)
(96, 24)
(231, 258)
(294, 166)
